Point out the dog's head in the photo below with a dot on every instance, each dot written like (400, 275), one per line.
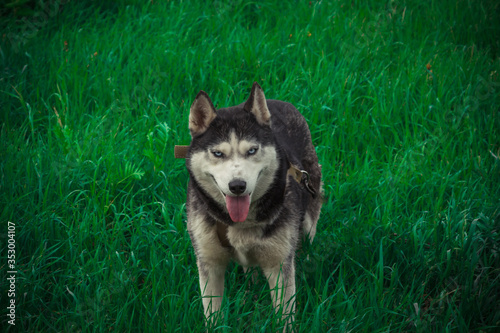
(232, 155)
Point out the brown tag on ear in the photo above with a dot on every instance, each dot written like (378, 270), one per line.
(180, 151)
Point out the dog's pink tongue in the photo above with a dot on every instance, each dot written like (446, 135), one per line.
(238, 207)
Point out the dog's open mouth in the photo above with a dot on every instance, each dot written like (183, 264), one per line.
(238, 207)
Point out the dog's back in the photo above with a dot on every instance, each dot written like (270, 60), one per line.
(293, 136)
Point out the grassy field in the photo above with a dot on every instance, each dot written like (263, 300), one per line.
(403, 102)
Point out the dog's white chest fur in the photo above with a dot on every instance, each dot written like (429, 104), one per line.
(245, 242)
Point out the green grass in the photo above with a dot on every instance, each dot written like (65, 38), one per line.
(94, 97)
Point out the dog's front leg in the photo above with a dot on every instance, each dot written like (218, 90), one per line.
(281, 279)
(212, 288)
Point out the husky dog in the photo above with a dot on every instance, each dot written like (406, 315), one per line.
(244, 199)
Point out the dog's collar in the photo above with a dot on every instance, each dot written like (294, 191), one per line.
(297, 174)
(180, 151)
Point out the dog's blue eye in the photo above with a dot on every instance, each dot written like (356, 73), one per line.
(252, 151)
(217, 153)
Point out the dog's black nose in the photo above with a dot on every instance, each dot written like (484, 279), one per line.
(237, 186)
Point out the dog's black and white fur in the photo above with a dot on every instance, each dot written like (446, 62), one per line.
(242, 204)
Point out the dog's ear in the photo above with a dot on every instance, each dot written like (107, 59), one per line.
(256, 104)
(201, 114)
